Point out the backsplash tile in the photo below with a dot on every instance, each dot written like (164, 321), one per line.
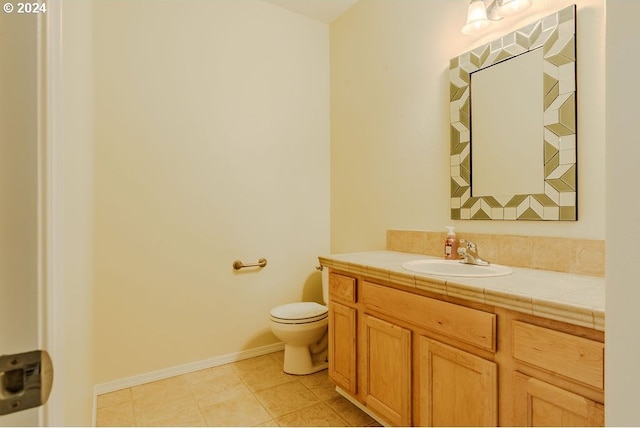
(411, 241)
(551, 254)
(579, 256)
(587, 257)
(514, 250)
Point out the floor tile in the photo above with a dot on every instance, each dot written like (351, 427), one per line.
(179, 413)
(286, 398)
(317, 415)
(349, 412)
(210, 373)
(117, 415)
(320, 385)
(112, 398)
(163, 390)
(278, 357)
(265, 377)
(271, 423)
(242, 411)
(219, 389)
(259, 362)
(167, 402)
(252, 392)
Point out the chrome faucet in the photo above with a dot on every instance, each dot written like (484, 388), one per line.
(468, 253)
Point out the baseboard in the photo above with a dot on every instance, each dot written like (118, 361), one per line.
(140, 379)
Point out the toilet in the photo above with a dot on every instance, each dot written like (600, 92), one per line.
(303, 327)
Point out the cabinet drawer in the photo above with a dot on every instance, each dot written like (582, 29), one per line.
(570, 356)
(468, 325)
(342, 287)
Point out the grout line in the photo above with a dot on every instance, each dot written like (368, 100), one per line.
(195, 400)
(253, 394)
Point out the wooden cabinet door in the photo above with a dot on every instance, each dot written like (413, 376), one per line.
(387, 370)
(342, 346)
(455, 388)
(538, 403)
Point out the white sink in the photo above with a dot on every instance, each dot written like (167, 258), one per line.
(455, 268)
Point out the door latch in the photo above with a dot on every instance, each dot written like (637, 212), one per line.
(25, 381)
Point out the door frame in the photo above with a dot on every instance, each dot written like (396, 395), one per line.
(50, 254)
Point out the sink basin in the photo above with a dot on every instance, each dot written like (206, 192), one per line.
(455, 268)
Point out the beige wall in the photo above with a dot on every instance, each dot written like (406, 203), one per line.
(390, 119)
(623, 204)
(212, 144)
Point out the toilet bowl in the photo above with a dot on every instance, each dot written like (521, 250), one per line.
(303, 328)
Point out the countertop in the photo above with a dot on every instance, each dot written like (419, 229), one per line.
(575, 299)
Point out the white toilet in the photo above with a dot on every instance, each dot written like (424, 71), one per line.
(303, 329)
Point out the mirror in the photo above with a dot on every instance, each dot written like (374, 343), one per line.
(507, 134)
(513, 125)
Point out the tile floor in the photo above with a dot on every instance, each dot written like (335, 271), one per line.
(252, 392)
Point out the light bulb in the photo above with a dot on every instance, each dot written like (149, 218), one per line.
(476, 18)
(511, 7)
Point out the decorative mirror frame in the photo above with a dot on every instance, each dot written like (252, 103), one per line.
(555, 34)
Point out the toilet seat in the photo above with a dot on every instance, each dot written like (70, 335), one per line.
(299, 313)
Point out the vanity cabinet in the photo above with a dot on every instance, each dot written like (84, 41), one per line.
(558, 377)
(342, 332)
(342, 346)
(415, 358)
(456, 388)
(386, 380)
(541, 404)
(439, 377)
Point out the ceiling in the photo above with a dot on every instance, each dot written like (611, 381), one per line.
(320, 10)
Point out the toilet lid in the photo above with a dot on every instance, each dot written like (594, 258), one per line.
(300, 312)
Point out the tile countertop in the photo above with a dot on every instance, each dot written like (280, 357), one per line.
(575, 299)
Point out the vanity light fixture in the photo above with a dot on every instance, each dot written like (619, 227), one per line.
(512, 7)
(477, 19)
(482, 12)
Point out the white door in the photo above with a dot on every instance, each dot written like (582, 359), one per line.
(19, 262)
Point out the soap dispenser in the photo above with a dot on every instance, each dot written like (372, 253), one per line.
(451, 244)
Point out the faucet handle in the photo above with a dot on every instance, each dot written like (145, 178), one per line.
(472, 246)
(462, 252)
(462, 249)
